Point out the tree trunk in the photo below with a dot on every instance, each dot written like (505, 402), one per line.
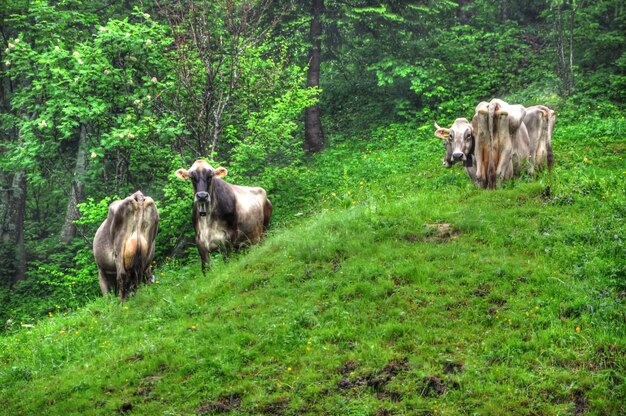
(504, 10)
(12, 215)
(19, 214)
(313, 133)
(571, 47)
(77, 192)
(461, 13)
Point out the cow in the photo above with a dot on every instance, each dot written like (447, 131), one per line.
(123, 246)
(501, 142)
(459, 143)
(224, 216)
(540, 121)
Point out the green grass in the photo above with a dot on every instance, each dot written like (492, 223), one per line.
(403, 291)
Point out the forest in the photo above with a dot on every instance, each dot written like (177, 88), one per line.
(329, 106)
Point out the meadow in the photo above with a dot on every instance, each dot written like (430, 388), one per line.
(388, 286)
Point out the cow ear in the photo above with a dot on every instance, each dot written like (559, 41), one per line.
(221, 172)
(442, 133)
(182, 174)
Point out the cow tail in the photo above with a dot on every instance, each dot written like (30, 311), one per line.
(491, 169)
(550, 156)
(267, 214)
(138, 260)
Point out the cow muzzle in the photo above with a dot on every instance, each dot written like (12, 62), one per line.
(457, 156)
(202, 201)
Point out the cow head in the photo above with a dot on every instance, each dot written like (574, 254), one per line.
(201, 175)
(459, 142)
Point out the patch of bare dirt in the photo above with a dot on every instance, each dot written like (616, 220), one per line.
(450, 367)
(223, 404)
(376, 380)
(580, 403)
(441, 233)
(125, 408)
(433, 386)
(277, 407)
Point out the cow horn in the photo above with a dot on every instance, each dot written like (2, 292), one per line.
(437, 126)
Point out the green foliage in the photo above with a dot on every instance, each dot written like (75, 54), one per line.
(113, 82)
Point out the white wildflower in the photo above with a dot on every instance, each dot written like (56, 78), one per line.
(154, 79)
(93, 155)
(148, 42)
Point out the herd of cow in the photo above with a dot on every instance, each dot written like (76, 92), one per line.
(501, 139)
(495, 146)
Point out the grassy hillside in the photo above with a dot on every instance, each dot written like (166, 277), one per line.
(403, 290)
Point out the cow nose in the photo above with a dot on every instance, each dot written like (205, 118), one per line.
(457, 155)
(202, 196)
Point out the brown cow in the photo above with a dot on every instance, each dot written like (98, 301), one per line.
(124, 245)
(224, 215)
(539, 121)
(501, 141)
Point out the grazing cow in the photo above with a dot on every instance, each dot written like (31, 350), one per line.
(539, 121)
(501, 141)
(124, 245)
(224, 215)
(459, 143)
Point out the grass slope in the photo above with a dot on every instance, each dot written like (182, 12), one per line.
(408, 292)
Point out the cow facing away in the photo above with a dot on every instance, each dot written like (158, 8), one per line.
(540, 121)
(501, 142)
(224, 216)
(124, 245)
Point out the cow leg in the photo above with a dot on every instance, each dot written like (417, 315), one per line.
(148, 276)
(122, 284)
(503, 151)
(482, 146)
(105, 284)
(204, 259)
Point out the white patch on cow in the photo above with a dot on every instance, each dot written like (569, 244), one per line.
(211, 234)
